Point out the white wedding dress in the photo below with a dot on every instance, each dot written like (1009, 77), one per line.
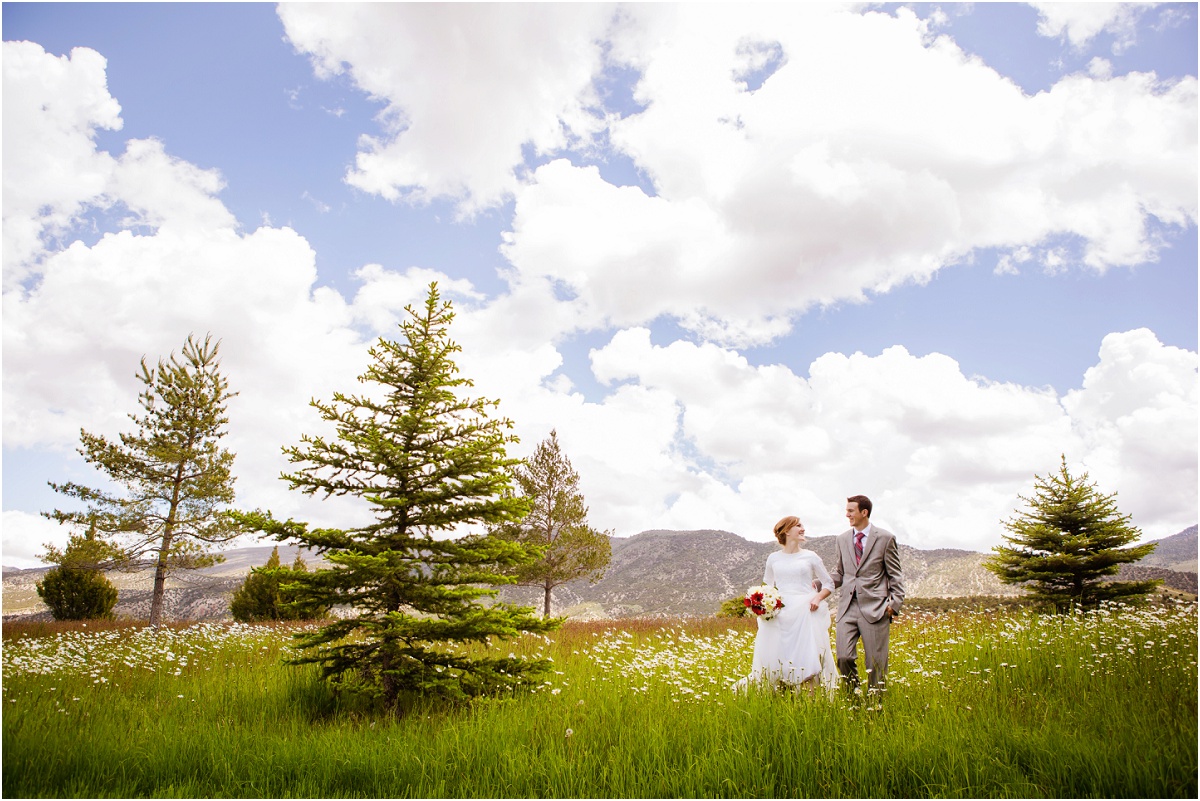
(793, 646)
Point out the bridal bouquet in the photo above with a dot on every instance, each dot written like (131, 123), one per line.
(764, 601)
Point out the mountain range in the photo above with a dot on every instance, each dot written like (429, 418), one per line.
(651, 573)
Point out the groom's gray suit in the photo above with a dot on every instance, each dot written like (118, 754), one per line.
(869, 588)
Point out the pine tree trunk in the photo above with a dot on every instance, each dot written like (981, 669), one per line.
(160, 571)
(546, 611)
(160, 582)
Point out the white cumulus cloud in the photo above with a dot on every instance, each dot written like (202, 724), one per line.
(466, 87)
(875, 154)
(52, 108)
(81, 316)
(798, 155)
(944, 456)
(26, 535)
(1136, 413)
(1079, 23)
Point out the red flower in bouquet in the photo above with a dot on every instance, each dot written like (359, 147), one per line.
(764, 601)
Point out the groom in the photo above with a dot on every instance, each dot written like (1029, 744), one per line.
(868, 571)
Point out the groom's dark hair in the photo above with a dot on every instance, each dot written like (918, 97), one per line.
(864, 503)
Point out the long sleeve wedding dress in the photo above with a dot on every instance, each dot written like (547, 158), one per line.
(793, 646)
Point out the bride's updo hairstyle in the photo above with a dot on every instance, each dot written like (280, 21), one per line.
(783, 526)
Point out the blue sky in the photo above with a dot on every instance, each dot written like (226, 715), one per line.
(746, 261)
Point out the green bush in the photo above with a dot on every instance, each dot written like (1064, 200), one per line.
(74, 593)
(264, 594)
(733, 607)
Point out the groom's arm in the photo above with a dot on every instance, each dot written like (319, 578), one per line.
(891, 565)
(837, 572)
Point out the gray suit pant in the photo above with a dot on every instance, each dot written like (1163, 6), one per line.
(851, 627)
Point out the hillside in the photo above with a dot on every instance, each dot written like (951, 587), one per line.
(196, 595)
(652, 573)
(1177, 552)
(691, 572)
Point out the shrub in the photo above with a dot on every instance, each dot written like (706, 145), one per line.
(733, 607)
(74, 593)
(265, 594)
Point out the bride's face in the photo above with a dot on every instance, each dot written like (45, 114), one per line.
(795, 534)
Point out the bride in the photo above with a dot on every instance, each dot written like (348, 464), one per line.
(793, 647)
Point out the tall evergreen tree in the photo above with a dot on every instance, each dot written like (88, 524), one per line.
(556, 525)
(172, 473)
(430, 463)
(1068, 540)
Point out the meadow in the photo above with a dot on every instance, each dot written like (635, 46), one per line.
(997, 702)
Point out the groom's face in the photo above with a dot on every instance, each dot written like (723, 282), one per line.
(857, 517)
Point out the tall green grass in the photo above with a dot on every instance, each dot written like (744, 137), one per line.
(997, 703)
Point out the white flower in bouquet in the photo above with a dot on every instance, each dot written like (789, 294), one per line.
(764, 601)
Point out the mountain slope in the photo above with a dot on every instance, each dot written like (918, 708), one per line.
(1177, 552)
(652, 573)
(691, 572)
(190, 595)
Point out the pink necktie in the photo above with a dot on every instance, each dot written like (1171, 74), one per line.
(858, 538)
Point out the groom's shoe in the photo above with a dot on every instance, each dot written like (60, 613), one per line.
(848, 671)
(852, 690)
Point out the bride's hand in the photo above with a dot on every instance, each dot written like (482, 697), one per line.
(814, 604)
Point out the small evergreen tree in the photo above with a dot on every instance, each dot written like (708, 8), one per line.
(258, 597)
(76, 589)
(172, 472)
(430, 462)
(268, 594)
(77, 594)
(291, 605)
(1069, 539)
(556, 526)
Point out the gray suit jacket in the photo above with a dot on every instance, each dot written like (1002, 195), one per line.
(877, 580)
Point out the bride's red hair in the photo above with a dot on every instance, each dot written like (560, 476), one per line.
(781, 528)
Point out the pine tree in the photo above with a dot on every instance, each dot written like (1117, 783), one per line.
(77, 594)
(173, 475)
(76, 589)
(258, 597)
(1069, 539)
(269, 593)
(432, 465)
(556, 525)
(291, 605)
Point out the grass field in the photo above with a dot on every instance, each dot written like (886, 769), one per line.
(988, 703)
